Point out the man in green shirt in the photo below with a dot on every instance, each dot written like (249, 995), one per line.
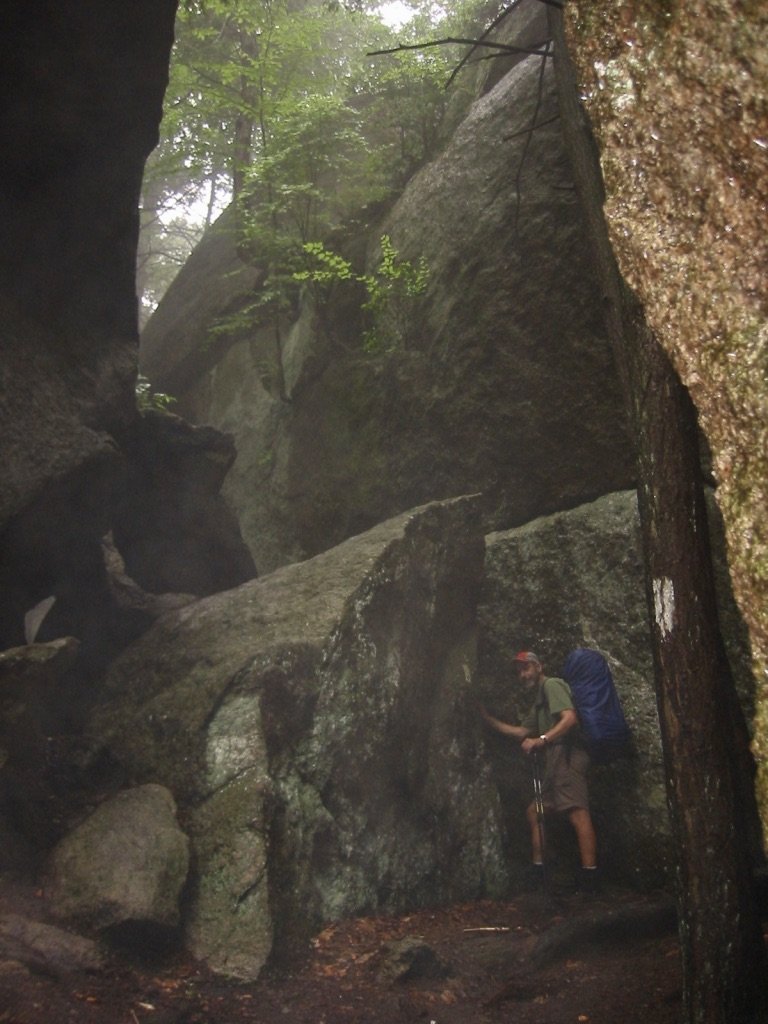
(552, 728)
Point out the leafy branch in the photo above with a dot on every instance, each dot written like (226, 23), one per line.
(390, 289)
(146, 398)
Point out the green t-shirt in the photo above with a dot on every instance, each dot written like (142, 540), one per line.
(554, 696)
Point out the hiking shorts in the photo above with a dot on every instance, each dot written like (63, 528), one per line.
(564, 786)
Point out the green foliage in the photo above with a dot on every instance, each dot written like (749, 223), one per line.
(146, 398)
(392, 293)
(394, 273)
(391, 290)
(280, 103)
(328, 266)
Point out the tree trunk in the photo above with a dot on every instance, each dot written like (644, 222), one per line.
(241, 147)
(724, 962)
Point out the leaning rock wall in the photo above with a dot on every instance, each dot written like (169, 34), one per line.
(319, 728)
(678, 98)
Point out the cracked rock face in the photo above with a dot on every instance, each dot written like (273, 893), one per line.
(678, 99)
(312, 725)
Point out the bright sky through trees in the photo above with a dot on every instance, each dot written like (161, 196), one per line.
(395, 13)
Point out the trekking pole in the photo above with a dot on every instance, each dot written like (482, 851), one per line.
(538, 799)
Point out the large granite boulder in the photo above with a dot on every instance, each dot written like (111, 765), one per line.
(678, 103)
(171, 525)
(177, 344)
(317, 729)
(498, 379)
(45, 949)
(576, 579)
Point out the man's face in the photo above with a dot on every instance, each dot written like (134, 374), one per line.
(530, 672)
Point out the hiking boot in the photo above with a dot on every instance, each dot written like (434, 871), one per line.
(588, 881)
(533, 879)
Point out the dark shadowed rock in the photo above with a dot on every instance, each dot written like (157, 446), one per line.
(30, 680)
(35, 664)
(124, 865)
(317, 728)
(410, 959)
(80, 104)
(129, 595)
(45, 434)
(172, 527)
(159, 500)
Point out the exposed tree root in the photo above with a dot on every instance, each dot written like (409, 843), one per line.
(600, 926)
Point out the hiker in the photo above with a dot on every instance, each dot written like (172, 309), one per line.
(551, 729)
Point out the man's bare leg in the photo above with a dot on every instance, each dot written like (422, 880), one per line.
(581, 820)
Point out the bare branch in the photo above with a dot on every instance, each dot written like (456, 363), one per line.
(496, 21)
(462, 42)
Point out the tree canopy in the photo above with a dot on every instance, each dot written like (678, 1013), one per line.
(280, 105)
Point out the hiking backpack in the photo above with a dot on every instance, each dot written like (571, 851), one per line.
(603, 725)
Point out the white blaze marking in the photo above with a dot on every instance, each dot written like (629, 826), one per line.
(664, 605)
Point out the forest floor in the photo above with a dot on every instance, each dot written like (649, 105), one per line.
(559, 959)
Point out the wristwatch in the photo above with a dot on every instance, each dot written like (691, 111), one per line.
(544, 737)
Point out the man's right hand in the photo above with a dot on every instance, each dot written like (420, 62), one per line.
(532, 744)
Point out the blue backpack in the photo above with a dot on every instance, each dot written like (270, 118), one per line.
(603, 724)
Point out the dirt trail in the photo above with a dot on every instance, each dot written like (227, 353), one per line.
(572, 961)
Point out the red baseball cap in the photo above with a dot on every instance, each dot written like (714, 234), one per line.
(527, 656)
